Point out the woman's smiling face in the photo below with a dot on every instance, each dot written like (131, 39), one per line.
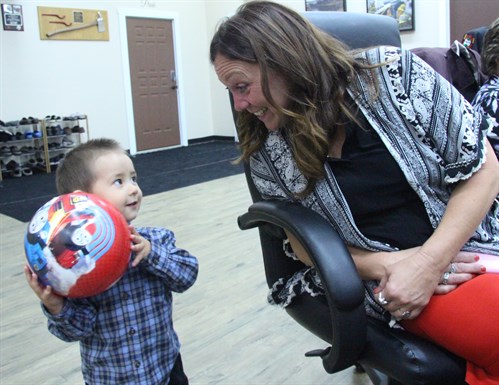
(243, 79)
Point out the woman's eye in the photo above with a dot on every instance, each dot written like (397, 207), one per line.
(241, 89)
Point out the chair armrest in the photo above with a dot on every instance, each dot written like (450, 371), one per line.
(342, 284)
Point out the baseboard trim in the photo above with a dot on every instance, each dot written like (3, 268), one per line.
(212, 138)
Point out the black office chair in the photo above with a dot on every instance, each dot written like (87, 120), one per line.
(389, 356)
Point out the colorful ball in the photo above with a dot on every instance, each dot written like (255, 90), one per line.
(78, 244)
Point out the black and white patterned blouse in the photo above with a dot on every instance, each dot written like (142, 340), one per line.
(432, 132)
(487, 100)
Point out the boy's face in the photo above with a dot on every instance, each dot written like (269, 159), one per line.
(116, 182)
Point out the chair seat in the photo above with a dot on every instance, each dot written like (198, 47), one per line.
(415, 357)
(402, 356)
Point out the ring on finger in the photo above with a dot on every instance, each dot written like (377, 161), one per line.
(406, 314)
(382, 300)
(452, 269)
(445, 278)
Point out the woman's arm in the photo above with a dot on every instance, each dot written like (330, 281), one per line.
(409, 283)
(409, 277)
(468, 205)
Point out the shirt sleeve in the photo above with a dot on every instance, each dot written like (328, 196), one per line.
(487, 98)
(452, 128)
(176, 266)
(75, 322)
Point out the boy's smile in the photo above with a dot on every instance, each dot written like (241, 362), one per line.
(116, 182)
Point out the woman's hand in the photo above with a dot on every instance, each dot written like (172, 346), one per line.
(409, 283)
(464, 267)
(140, 246)
(53, 302)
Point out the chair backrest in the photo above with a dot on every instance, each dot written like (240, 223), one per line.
(357, 30)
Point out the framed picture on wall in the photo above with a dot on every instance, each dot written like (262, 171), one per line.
(400, 10)
(12, 17)
(326, 5)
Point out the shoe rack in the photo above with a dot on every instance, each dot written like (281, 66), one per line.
(33, 145)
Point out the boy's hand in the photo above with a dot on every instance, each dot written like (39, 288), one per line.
(53, 302)
(141, 246)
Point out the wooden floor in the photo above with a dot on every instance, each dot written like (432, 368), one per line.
(229, 334)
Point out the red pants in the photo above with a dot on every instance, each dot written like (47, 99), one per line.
(466, 322)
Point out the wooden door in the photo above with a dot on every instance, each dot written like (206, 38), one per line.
(153, 80)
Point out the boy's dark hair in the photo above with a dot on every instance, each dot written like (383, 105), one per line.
(75, 172)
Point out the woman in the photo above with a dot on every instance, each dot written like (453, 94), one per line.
(389, 153)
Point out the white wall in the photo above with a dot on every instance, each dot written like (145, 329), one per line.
(219, 101)
(40, 77)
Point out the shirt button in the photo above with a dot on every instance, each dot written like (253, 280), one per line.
(137, 364)
(131, 332)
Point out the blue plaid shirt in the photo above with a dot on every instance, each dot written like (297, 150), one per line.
(126, 333)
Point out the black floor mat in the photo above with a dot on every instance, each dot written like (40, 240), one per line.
(157, 172)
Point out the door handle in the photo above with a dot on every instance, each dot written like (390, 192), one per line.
(173, 77)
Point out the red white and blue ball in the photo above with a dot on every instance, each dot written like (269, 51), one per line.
(78, 244)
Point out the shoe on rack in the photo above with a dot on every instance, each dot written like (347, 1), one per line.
(17, 173)
(78, 116)
(12, 166)
(15, 150)
(67, 143)
(37, 134)
(57, 130)
(40, 163)
(26, 171)
(78, 129)
(54, 161)
(5, 151)
(5, 135)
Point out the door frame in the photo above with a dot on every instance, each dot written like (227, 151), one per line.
(147, 14)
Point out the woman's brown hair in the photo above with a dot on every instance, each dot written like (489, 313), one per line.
(316, 67)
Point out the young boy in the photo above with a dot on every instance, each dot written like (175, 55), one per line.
(126, 333)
